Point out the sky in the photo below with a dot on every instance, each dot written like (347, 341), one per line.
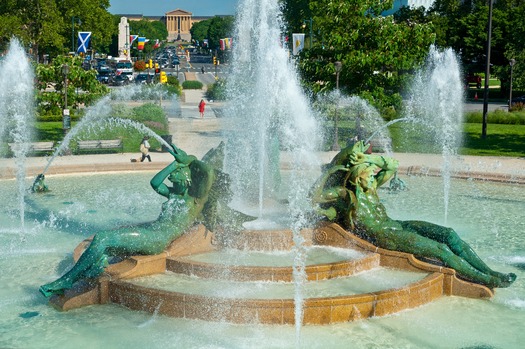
(160, 7)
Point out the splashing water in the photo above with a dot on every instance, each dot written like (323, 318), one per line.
(17, 111)
(99, 114)
(437, 102)
(268, 113)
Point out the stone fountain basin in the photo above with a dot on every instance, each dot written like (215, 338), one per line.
(337, 299)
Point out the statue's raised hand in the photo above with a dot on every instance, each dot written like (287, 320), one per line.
(357, 158)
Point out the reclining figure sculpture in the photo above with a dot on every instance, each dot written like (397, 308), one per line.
(346, 193)
(199, 194)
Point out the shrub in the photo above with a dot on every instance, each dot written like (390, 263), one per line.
(192, 85)
(217, 91)
(173, 86)
(497, 117)
(140, 66)
(517, 107)
(152, 113)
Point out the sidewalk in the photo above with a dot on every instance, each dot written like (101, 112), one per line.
(196, 136)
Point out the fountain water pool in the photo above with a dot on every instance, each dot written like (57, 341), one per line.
(56, 221)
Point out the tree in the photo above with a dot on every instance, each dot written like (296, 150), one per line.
(37, 23)
(515, 44)
(93, 16)
(46, 26)
(199, 30)
(151, 30)
(375, 51)
(82, 88)
(296, 13)
(220, 28)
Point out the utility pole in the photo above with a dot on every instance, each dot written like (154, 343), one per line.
(338, 67)
(487, 75)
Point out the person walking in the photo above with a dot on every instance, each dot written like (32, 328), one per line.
(202, 106)
(144, 149)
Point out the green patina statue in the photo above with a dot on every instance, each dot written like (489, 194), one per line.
(346, 193)
(39, 185)
(199, 194)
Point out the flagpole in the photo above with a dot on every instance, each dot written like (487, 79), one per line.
(73, 20)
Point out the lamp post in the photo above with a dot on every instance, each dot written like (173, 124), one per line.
(338, 67)
(511, 63)
(66, 119)
(310, 21)
(487, 74)
(73, 21)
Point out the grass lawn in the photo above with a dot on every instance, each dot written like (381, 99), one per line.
(501, 140)
(52, 131)
(150, 115)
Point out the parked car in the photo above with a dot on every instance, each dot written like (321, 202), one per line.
(473, 79)
(104, 76)
(119, 80)
(520, 99)
(143, 79)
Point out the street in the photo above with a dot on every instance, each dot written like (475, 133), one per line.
(478, 106)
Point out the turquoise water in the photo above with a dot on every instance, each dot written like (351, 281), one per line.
(314, 255)
(489, 216)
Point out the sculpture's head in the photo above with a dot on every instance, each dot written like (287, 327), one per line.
(361, 174)
(181, 176)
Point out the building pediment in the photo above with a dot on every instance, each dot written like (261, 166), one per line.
(178, 12)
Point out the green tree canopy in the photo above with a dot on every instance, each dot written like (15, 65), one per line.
(375, 51)
(199, 30)
(220, 28)
(82, 88)
(151, 30)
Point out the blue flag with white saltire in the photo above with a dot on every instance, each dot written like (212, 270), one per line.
(83, 41)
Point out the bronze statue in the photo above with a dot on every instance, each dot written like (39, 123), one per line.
(199, 193)
(346, 193)
(39, 185)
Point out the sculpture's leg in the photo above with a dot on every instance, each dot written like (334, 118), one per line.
(410, 241)
(442, 252)
(146, 239)
(90, 264)
(459, 247)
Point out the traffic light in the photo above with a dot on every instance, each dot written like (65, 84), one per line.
(214, 60)
(150, 63)
(163, 78)
(157, 68)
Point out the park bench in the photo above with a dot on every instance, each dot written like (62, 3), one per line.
(34, 147)
(103, 144)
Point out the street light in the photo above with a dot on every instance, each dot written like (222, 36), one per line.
(511, 63)
(73, 21)
(338, 67)
(66, 119)
(310, 21)
(487, 75)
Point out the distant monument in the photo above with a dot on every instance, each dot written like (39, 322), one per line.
(124, 49)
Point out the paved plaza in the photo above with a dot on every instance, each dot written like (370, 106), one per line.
(197, 135)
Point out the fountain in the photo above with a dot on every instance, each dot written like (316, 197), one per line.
(16, 89)
(254, 304)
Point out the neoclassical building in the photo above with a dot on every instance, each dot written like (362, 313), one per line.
(178, 22)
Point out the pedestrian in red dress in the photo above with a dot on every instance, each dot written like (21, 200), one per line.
(202, 106)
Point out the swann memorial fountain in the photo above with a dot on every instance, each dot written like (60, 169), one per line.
(297, 277)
